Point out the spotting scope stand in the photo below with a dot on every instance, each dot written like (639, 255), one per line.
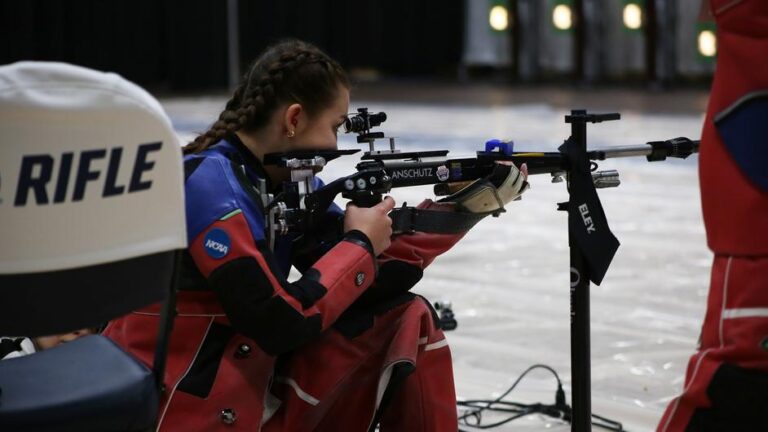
(592, 246)
(591, 242)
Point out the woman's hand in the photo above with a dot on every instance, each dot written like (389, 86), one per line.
(488, 195)
(374, 222)
(509, 185)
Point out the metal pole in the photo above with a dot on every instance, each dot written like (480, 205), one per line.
(167, 315)
(624, 151)
(654, 150)
(581, 376)
(581, 419)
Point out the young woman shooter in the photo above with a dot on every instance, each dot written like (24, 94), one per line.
(346, 346)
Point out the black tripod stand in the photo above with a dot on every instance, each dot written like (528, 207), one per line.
(591, 241)
(592, 247)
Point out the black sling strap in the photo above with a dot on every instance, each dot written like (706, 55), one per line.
(407, 220)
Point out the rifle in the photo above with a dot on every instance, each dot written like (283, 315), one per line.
(592, 244)
(380, 171)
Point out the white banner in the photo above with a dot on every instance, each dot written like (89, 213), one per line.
(90, 170)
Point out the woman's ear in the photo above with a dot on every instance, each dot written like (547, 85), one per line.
(294, 119)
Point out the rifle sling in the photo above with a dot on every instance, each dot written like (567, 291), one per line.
(407, 220)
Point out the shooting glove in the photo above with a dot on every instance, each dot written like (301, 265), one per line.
(490, 194)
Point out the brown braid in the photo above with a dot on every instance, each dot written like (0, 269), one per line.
(289, 72)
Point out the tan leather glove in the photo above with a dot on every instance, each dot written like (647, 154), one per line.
(490, 194)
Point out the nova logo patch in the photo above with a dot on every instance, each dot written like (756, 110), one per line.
(216, 243)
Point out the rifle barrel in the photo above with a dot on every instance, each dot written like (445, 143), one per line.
(653, 151)
(620, 151)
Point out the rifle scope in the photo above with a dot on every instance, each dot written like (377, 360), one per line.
(363, 121)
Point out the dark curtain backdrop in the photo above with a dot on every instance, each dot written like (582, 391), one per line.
(181, 45)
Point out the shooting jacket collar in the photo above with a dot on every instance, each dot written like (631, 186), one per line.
(244, 156)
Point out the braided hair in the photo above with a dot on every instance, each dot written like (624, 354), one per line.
(289, 72)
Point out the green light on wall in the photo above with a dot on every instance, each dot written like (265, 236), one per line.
(562, 15)
(633, 14)
(498, 15)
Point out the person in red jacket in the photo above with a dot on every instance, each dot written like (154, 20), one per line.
(726, 385)
(344, 347)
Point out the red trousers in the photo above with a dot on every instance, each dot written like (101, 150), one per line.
(726, 385)
(398, 371)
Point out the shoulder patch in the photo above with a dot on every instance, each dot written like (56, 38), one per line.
(217, 243)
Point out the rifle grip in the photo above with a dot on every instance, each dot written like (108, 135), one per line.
(364, 198)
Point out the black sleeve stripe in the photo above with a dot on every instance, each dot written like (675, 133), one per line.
(190, 278)
(246, 295)
(243, 280)
(307, 290)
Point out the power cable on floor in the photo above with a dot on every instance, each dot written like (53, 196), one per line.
(473, 417)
